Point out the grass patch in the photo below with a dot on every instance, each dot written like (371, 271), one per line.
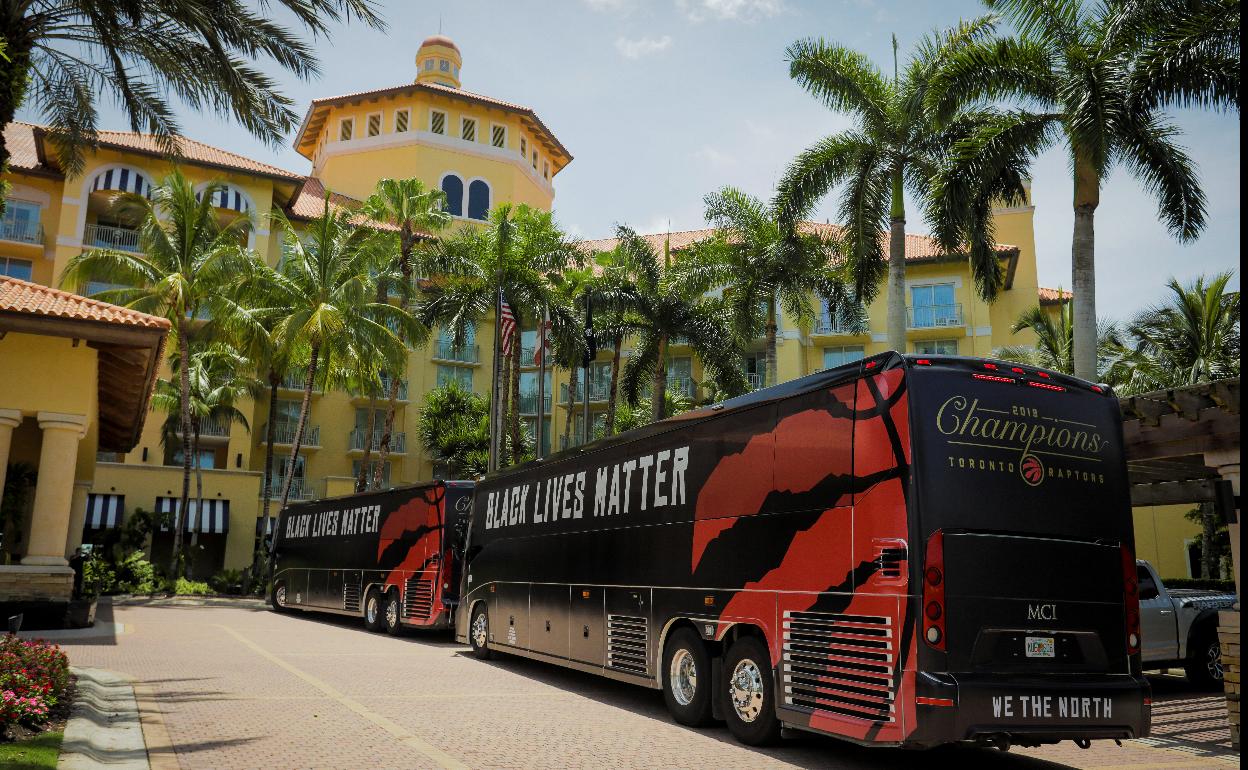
(35, 753)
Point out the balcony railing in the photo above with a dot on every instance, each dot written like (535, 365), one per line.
(528, 403)
(754, 379)
(300, 489)
(465, 354)
(934, 316)
(284, 433)
(21, 232)
(384, 393)
(359, 438)
(598, 391)
(826, 326)
(210, 428)
(108, 237)
(294, 381)
(682, 385)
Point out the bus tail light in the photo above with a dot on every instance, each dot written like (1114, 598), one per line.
(1131, 594)
(934, 592)
(994, 378)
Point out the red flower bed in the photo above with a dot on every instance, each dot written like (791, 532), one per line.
(34, 677)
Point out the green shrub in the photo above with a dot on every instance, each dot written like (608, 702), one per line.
(184, 587)
(134, 574)
(227, 581)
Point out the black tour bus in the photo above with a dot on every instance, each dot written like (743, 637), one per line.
(900, 551)
(390, 557)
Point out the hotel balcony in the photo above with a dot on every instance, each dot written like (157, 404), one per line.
(210, 428)
(754, 379)
(464, 354)
(359, 438)
(528, 403)
(598, 391)
(934, 316)
(22, 232)
(300, 489)
(284, 435)
(108, 237)
(294, 381)
(835, 328)
(383, 395)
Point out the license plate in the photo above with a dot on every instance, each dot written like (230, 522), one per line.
(1040, 647)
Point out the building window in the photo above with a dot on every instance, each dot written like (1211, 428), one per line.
(468, 130)
(453, 188)
(936, 347)
(498, 136)
(460, 375)
(524, 147)
(21, 222)
(437, 122)
(933, 306)
(428, 65)
(535, 160)
(374, 124)
(834, 357)
(545, 170)
(528, 391)
(401, 119)
(346, 127)
(444, 65)
(478, 200)
(372, 468)
(17, 268)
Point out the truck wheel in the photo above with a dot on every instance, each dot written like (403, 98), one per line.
(479, 633)
(750, 692)
(392, 614)
(373, 610)
(687, 678)
(1204, 661)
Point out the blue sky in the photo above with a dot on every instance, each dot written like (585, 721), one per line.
(662, 101)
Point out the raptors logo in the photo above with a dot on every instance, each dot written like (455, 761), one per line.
(1032, 470)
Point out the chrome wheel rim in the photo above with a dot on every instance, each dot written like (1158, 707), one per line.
(281, 596)
(480, 629)
(745, 689)
(371, 609)
(392, 613)
(683, 677)
(1213, 661)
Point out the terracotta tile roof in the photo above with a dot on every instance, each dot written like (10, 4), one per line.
(308, 202)
(918, 247)
(18, 296)
(1054, 296)
(23, 141)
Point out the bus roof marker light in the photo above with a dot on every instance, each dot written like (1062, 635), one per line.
(871, 364)
(1047, 386)
(994, 378)
(1017, 370)
(1045, 375)
(923, 361)
(989, 365)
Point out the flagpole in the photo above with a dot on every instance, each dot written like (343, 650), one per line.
(541, 381)
(494, 388)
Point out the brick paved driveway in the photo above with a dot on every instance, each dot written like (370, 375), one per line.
(246, 688)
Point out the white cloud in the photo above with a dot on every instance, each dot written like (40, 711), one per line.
(730, 10)
(714, 157)
(609, 6)
(645, 46)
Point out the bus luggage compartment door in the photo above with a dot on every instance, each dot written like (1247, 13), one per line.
(586, 625)
(548, 618)
(509, 614)
(1033, 604)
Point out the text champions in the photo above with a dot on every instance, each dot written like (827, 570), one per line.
(648, 482)
(350, 521)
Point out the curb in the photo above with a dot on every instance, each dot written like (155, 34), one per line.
(245, 602)
(104, 730)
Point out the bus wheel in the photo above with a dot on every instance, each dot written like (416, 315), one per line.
(373, 610)
(479, 633)
(392, 624)
(687, 678)
(279, 598)
(750, 691)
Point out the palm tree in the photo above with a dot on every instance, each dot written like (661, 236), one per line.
(454, 427)
(418, 213)
(1074, 66)
(187, 256)
(515, 254)
(663, 304)
(1055, 343)
(1189, 50)
(322, 299)
(63, 54)
(898, 145)
(763, 267)
(1192, 337)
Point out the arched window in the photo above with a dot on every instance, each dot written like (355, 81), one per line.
(123, 180)
(453, 187)
(478, 199)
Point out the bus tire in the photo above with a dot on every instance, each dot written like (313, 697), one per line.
(750, 693)
(277, 600)
(1203, 666)
(479, 633)
(393, 614)
(687, 678)
(373, 610)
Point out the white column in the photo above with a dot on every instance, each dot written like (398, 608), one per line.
(54, 491)
(9, 419)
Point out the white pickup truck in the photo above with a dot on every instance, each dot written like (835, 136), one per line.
(1179, 627)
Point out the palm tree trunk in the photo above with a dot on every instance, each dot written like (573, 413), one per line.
(613, 388)
(199, 491)
(303, 419)
(897, 268)
(361, 478)
(386, 432)
(270, 430)
(1083, 268)
(771, 376)
(515, 398)
(567, 425)
(184, 384)
(658, 383)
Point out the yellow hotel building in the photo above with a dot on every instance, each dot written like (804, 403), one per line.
(481, 152)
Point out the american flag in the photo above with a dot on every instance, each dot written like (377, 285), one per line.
(507, 327)
(543, 339)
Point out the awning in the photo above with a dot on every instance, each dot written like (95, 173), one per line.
(122, 179)
(230, 197)
(215, 519)
(104, 511)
